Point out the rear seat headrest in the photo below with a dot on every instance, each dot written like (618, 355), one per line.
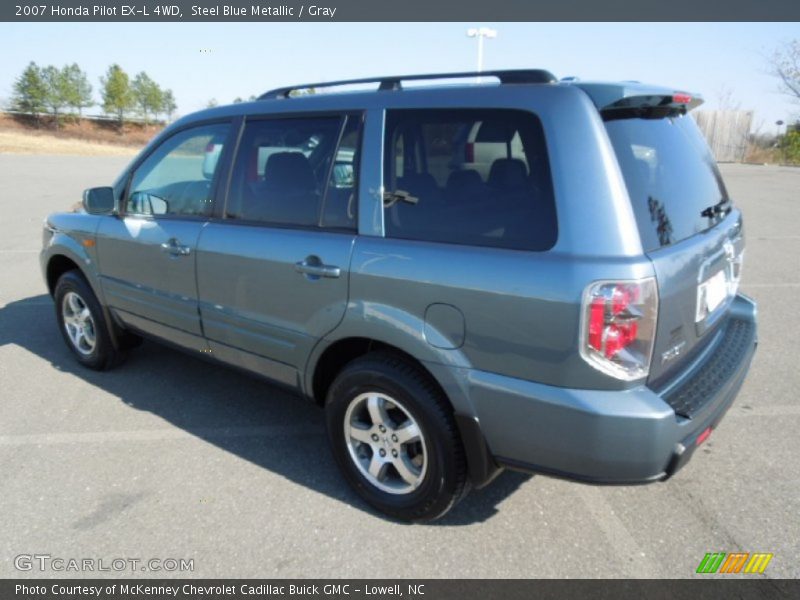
(508, 173)
(464, 179)
(289, 169)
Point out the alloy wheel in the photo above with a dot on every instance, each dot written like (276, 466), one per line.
(385, 443)
(79, 323)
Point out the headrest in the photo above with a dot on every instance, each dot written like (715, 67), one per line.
(508, 173)
(289, 169)
(465, 179)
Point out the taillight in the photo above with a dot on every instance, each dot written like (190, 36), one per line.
(469, 153)
(619, 327)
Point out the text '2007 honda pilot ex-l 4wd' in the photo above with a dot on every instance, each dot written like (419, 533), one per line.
(518, 272)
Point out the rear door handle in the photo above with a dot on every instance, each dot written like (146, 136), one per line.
(313, 267)
(175, 248)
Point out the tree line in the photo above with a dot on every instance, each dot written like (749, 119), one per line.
(50, 90)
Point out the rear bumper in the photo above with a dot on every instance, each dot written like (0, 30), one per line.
(628, 437)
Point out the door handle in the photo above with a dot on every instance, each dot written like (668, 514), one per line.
(313, 267)
(175, 248)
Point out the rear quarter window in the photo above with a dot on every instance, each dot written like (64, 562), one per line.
(671, 176)
(469, 176)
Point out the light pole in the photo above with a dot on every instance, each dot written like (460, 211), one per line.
(480, 33)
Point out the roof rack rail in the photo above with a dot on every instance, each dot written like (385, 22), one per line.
(393, 83)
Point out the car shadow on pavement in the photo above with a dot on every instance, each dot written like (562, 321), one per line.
(236, 412)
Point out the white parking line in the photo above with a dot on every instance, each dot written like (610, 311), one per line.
(635, 563)
(100, 437)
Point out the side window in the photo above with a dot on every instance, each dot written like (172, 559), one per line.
(281, 170)
(341, 199)
(176, 178)
(469, 176)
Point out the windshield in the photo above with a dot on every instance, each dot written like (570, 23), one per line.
(672, 179)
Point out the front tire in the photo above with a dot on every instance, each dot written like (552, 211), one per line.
(83, 324)
(393, 435)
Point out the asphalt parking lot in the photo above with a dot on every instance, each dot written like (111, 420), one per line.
(171, 457)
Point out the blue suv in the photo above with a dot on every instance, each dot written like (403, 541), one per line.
(526, 273)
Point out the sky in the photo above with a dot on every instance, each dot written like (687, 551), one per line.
(201, 61)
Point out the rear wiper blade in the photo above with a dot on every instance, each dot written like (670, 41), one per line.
(716, 209)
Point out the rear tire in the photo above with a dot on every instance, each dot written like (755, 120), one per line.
(83, 324)
(394, 438)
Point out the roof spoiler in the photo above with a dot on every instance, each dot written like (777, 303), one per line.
(631, 99)
(675, 101)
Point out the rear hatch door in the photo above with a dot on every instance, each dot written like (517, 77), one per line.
(688, 226)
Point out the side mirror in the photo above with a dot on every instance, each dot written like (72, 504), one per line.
(99, 201)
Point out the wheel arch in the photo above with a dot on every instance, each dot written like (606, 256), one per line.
(329, 358)
(57, 265)
(62, 259)
(335, 355)
(65, 253)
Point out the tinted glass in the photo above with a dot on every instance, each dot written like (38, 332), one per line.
(281, 170)
(341, 200)
(176, 178)
(671, 177)
(477, 177)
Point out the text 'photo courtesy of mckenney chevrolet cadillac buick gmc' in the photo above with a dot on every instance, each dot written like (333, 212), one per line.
(516, 272)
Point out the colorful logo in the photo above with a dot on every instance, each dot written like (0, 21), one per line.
(735, 562)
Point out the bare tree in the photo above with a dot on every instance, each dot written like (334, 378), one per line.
(785, 65)
(725, 98)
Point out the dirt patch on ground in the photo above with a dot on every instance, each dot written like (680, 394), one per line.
(25, 143)
(20, 134)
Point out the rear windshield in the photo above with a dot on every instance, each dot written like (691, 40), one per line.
(672, 179)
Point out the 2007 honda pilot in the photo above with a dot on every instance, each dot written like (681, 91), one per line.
(568, 308)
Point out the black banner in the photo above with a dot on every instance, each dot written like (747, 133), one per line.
(399, 10)
(360, 589)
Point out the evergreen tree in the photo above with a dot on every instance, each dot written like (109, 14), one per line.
(30, 92)
(148, 96)
(57, 91)
(117, 96)
(79, 90)
(168, 105)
